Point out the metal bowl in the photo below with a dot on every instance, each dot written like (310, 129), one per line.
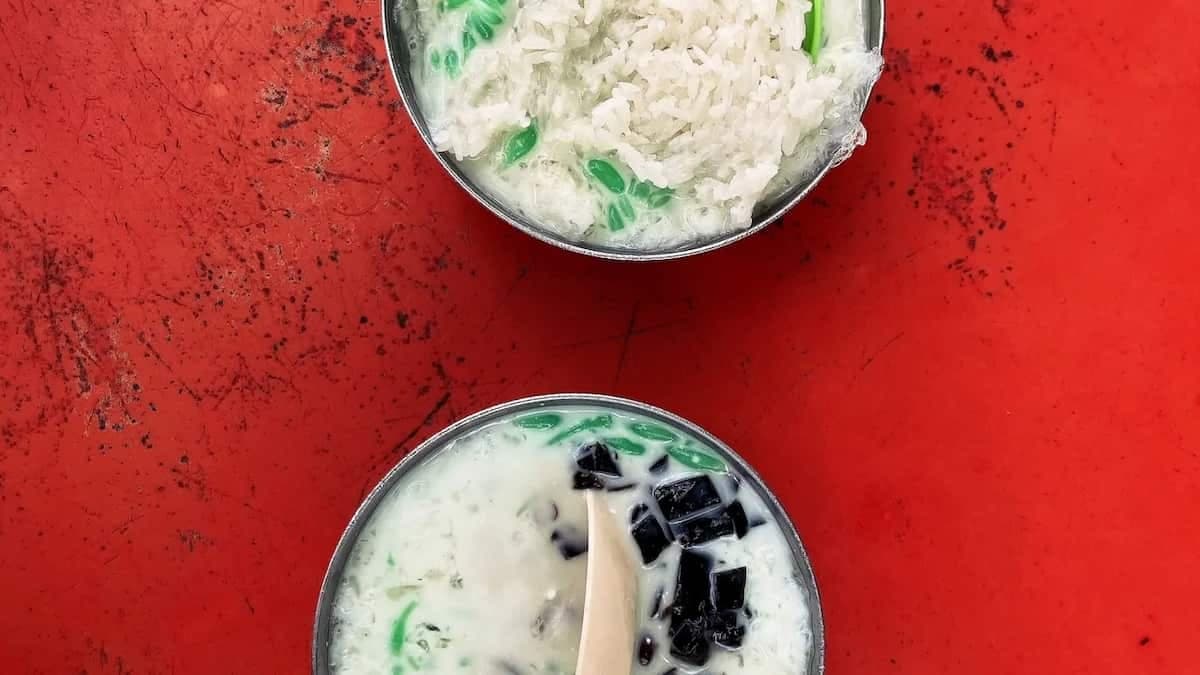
(322, 629)
(399, 56)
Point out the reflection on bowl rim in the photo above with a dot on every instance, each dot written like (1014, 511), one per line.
(399, 60)
(323, 623)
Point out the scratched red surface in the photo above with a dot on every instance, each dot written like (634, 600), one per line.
(235, 289)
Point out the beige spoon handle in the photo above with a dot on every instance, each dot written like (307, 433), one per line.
(606, 646)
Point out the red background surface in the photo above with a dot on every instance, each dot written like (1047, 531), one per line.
(235, 289)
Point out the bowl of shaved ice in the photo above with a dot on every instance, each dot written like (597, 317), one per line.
(637, 129)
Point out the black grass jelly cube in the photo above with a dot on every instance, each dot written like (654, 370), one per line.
(651, 538)
(686, 497)
(729, 589)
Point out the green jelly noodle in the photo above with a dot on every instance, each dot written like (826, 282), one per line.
(608, 176)
(683, 453)
(451, 62)
(695, 459)
(625, 446)
(599, 422)
(653, 432)
(626, 208)
(520, 144)
(814, 29)
(400, 628)
(480, 25)
(616, 221)
(660, 198)
(642, 191)
(539, 421)
(618, 209)
(650, 194)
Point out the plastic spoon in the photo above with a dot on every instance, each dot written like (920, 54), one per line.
(606, 646)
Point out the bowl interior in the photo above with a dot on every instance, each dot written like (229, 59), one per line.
(322, 629)
(402, 44)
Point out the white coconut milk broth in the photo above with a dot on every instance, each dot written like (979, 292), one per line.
(456, 570)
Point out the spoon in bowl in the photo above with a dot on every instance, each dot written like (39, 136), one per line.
(606, 645)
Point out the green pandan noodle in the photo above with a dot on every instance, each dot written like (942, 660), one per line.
(520, 144)
(625, 445)
(607, 174)
(650, 194)
(539, 421)
(652, 431)
(483, 19)
(619, 210)
(695, 459)
(814, 29)
(400, 629)
(452, 63)
(616, 221)
(599, 422)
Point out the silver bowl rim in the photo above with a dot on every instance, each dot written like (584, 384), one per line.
(322, 624)
(393, 43)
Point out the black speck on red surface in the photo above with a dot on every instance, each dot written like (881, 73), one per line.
(235, 289)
